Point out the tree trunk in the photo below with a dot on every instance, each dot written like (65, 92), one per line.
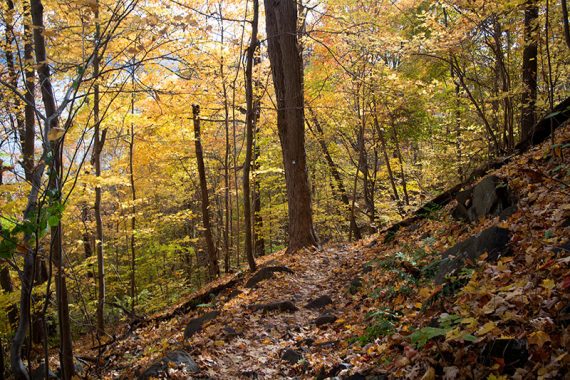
(250, 120)
(529, 70)
(133, 198)
(565, 22)
(387, 159)
(55, 185)
(355, 231)
(213, 268)
(99, 140)
(287, 72)
(401, 162)
(227, 206)
(259, 241)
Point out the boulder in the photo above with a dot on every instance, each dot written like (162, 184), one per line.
(319, 302)
(283, 306)
(177, 359)
(195, 325)
(265, 273)
(490, 197)
(291, 356)
(40, 373)
(325, 319)
(511, 353)
(494, 241)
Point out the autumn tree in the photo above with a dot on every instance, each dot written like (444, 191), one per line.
(287, 71)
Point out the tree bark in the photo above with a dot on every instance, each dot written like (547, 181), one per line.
(249, 121)
(213, 268)
(565, 22)
(287, 72)
(133, 198)
(99, 140)
(529, 69)
(55, 185)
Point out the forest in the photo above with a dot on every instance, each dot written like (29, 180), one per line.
(154, 153)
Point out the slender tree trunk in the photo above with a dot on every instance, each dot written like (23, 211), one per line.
(259, 241)
(249, 121)
(99, 140)
(213, 268)
(355, 230)
(529, 69)
(227, 214)
(133, 198)
(401, 162)
(382, 138)
(287, 71)
(55, 185)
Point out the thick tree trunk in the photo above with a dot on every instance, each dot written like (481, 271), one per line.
(565, 22)
(287, 71)
(529, 70)
(249, 122)
(213, 268)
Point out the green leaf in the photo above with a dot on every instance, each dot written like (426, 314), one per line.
(53, 220)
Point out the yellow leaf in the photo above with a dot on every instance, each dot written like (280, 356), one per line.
(486, 328)
(219, 343)
(548, 284)
(55, 133)
(539, 338)
(425, 292)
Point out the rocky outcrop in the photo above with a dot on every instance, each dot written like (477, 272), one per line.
(180, 360)
(494, 241)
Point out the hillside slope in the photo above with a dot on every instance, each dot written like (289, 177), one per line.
(383, 307)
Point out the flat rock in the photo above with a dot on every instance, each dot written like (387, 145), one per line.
(178, 359)
(265, 273)
(195, 325)
(319, 302)
(283, 306)
(494, 241)
(325, 319)
(291, 356)
(230, 332)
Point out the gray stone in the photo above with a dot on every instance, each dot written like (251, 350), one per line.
(265, 274)
(490, 197)
(325, 319)
(291, 356)
(195, 325)
(283, 306)
(355, 285)
(319, 302)
(40, 373)
(494, 241)
(179, 359)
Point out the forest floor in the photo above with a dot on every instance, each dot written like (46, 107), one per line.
(505, 318)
